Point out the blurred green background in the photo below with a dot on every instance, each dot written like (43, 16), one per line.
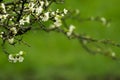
(54, 57)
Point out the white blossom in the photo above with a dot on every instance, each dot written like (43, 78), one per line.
(113, 54)
(14, 60)
(10, 57)
(28, 19)
(62, 15)
(3, 7)
(31, 6)
(11, 40)
(77, 11)
(20, 59)
(71, 28)
(46, 3)
(39, 10)
(22, 22)
(14, 30)
(53, 13)
(45, 17)
(25, 20)
(4, 16)
(42, 3)
(65, 11)
(1, 34)
(103, 20)
(57, 11)
(21, 53)
(57, 17)
(58, 21)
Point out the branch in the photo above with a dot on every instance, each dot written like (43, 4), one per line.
(19, 17)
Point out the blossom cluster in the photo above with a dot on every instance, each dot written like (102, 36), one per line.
(16, 57)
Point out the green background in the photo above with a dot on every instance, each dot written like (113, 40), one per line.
(52, 56)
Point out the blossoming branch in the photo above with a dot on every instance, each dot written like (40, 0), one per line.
(18, 17)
